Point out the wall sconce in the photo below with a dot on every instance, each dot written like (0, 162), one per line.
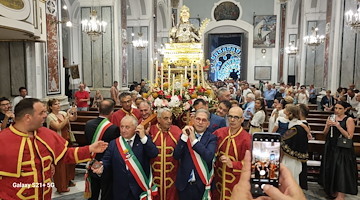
(263, 51)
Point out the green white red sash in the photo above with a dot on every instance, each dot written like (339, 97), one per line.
(99, 133)
(203, 171)
(100, 130)
(136, 170)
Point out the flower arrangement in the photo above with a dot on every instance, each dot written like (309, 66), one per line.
(179, 98)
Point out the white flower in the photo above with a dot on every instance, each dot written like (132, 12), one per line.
(174, 102)
(158, 102)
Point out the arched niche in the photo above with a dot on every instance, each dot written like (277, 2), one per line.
(233, 26)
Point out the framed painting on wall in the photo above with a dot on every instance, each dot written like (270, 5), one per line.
(264, 31)
(262, 73)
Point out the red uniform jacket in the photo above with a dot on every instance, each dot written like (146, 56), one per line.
(233, 146)
(121, 113)
(25, 162)
(165, 166)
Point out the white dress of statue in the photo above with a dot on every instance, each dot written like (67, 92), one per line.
(184, 32)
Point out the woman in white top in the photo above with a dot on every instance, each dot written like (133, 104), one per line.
(303, 95)
(257, 120)
(274, 114)
(59, 121)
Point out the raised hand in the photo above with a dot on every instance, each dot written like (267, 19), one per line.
(98, 147)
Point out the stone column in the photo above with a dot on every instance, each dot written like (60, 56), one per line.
(327, 42)
(123, 51)
(53, 69)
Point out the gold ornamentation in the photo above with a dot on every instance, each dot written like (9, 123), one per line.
(13, 4)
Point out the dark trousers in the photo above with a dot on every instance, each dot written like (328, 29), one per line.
(269, 103)
(100, 184)
(191, 192)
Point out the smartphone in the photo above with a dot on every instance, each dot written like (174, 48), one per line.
(265, 163)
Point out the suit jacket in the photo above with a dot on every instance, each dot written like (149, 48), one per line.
(216, 122)
(111, 133)
(114, 165)
(206, 148)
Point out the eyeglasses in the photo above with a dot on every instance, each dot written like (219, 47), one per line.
(234, 117)
(201, 120)
(5, 104)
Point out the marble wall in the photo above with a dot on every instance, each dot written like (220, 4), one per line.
(350, 56)
(314, 63)
(97, 56)
(13, 68)
(137, 61)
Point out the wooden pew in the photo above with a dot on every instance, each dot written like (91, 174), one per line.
(82, 118)
(88, 113)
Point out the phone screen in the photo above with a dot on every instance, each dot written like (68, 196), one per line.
(265, 164)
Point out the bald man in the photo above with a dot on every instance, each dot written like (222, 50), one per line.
(233, 141)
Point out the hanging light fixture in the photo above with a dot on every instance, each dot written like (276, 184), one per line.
(291, 49)
(314, 39)
(93, 27)
(140, 44)
(353, 19)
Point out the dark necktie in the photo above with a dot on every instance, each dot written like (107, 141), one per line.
(129, 142)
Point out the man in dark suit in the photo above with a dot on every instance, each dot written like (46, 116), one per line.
(124, 185)
(188, 182)
(216, 122)
(108, 132)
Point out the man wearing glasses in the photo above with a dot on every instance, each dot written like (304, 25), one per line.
(126, 109)
(233, 141)
(6, 115)
(192, 182)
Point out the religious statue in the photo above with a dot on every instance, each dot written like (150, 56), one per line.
(185, 32)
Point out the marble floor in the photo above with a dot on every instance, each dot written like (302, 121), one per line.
(315, 192)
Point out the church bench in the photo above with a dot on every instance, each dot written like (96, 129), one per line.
(77, 126)
(80, 138)
(88, 113)
(82, 118)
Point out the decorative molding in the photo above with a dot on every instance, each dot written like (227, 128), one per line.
(51, 7)
(221, 3)
(12, 11)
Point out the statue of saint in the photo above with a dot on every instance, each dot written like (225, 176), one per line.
(184, 32)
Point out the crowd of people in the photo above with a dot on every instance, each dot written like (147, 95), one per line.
(148, 154)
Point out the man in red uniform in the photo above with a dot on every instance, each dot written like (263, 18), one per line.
(147, 115)
(125, 102)
(164, 166)
(29, 150)
(82, 97)
(233, 141)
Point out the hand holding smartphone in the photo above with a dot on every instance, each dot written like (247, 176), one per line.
(265, 162)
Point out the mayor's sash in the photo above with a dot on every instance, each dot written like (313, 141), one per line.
(137, 170)
(203, 171)
(99, 133)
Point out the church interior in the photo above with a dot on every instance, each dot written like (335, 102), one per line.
(52, 46)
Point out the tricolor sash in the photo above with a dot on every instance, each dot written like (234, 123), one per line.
(99, 133)
(100, 130)
(203, 171)
(137, 170)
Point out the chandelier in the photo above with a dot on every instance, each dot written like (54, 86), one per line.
(93, 27)
(353, 19)
(140, 44)
(314, 39)
(291, 49)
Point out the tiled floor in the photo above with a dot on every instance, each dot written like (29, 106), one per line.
(315, 192)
